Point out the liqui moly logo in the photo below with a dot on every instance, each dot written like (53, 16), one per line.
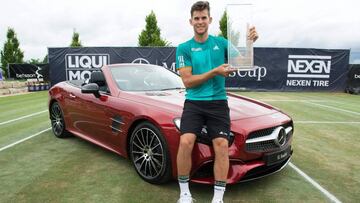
(80, 66)
(309, 66)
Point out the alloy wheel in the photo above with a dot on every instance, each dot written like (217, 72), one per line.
(57, 120)
(147, 153)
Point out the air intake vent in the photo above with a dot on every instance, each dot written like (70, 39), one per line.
(116, 124)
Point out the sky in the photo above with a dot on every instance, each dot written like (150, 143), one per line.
(116, 23)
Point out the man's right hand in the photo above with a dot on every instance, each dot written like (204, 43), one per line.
(191, 80)
(224, 70)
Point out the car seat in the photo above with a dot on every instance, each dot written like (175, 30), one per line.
(98, 78)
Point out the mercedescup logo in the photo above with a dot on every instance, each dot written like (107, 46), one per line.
(141, 61)
(80, 66)
(257, 73)
(308, 70)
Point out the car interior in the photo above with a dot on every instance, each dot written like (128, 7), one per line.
(98, 78)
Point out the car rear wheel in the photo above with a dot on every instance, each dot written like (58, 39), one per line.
(149, 154)
(57, 121)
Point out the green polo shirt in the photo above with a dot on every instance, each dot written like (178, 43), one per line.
(202, 57)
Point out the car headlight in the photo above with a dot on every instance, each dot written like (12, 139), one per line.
(177, 122)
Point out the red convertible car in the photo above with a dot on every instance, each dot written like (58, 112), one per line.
(134, 110)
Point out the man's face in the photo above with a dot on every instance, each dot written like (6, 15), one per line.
(200, 21)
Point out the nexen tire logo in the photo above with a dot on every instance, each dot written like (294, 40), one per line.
(309, 66)
(80, 66)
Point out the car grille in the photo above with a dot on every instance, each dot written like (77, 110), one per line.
(262, 141)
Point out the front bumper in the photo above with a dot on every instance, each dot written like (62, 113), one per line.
(248, 160)
(239, 171)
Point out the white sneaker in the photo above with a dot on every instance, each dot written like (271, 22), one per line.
(217, 201)
(185, 199)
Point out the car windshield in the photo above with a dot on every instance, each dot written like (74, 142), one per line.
(145, 78)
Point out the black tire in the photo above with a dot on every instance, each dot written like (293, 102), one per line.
(149, 154)
(57, 121)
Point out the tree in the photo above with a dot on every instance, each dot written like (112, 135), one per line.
(151, 35)
(223, 25)
(224, 30)
(46, 59)
(11, 52)
(75, 40)
(34, 61)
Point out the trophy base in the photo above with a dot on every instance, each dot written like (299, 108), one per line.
(244, 68)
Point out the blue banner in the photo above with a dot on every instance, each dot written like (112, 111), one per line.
(293, 69)
(25, 71)
(78, 63)
(279, 69)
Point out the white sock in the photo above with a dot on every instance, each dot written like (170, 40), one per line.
(219, 190)
(184, 185)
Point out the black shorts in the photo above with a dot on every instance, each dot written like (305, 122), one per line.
(214, 114)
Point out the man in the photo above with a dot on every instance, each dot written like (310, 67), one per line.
(201, 64)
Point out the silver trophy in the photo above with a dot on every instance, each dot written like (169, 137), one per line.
(240, 47)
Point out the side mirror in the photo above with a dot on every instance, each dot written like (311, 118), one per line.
(91, 88)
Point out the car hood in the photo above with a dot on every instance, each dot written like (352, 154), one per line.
(240, 107)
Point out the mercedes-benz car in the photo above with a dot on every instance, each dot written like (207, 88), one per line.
(134, 110)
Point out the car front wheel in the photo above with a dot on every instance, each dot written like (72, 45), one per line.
(149, 154)
(57, 121)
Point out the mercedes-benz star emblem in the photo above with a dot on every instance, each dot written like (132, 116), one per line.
(281, 138)
(141, 61)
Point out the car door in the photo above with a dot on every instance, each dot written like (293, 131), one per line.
(92, 120)
(103, 120)
(72, 102)
(110, 127)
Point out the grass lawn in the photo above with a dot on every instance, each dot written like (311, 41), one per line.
(327, 152)
(47, 169)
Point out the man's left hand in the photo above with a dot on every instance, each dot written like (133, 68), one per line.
(253, 35)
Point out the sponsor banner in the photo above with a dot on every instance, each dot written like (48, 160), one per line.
(279, 69)
(80, 66)
(290, 69)
(78, 63)
(38, 72)
(353, 79)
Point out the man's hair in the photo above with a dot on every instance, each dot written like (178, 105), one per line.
(200, 6)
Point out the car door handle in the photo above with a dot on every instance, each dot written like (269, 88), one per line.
(72, 96)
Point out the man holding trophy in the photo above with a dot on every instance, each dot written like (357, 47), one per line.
(201, 64)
